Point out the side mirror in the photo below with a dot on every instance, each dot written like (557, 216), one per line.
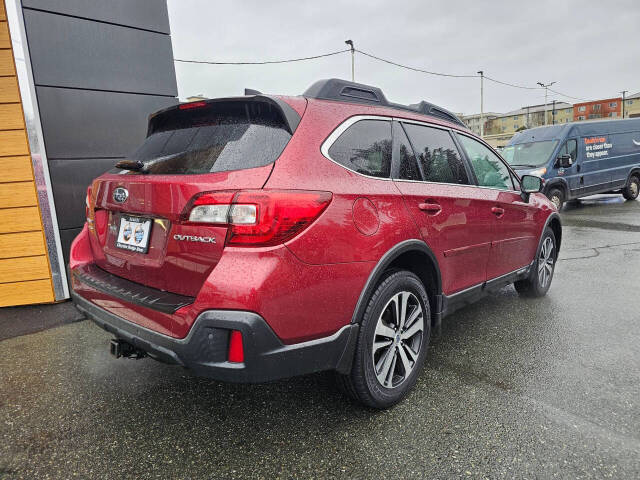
(529, 184)
(564, 161)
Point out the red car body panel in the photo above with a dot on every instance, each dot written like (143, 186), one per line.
(308, 287)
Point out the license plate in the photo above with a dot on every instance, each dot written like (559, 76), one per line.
(134, 233)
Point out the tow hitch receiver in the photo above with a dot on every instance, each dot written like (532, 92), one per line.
(120, 348)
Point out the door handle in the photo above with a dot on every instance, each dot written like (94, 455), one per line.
(497, 211)
(432, 208)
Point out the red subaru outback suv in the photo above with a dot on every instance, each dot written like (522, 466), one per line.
(260, 237)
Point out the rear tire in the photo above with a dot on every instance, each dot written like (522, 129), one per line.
(541, 275)
(630, 192)
(392, 342)
(557, 197)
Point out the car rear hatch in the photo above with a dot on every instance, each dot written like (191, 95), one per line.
(138, 214)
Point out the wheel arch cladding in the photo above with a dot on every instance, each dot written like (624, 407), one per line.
(412, 255)
(559, 183)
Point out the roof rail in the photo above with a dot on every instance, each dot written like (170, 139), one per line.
(345, 91)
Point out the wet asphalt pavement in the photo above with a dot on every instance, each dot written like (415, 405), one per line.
(514, 388)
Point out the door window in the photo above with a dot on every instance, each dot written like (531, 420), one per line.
(408, 167)
(365, 147)
(437, 155)
(570, 147)
(490, 170)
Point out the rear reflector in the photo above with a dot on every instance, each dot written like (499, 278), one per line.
(260, 217)
(236, 349)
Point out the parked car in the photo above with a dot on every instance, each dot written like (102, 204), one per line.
(580, 159)
(260, 237)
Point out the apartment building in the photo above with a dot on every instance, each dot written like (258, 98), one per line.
(632, 106)
(605, 108)
(473, 121)
(529, 117)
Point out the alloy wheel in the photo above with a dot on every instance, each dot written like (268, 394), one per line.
(634, 189)
(397, 339)
(546, 262)
(556, 201)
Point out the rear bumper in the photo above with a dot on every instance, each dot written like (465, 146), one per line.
(204, 349)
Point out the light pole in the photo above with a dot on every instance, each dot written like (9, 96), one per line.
(353, 59)
(546, 87)
(481, 73)
(624, 93)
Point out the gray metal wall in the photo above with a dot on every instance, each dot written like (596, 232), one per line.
(100, 68)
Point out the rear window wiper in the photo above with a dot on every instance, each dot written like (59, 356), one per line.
(134, 165)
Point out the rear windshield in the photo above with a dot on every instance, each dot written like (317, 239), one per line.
(217, 137)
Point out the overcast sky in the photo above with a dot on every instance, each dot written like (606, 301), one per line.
(591, 48)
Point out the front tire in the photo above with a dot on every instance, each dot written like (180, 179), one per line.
(392, 342)
(557, 198)
(539, 280)
(630, 192)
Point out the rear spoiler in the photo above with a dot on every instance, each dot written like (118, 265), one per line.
(289, 115)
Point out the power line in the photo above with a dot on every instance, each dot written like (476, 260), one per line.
(439, 74)
(568, 96)
(511, 84)
(301, 59)
(375, 57)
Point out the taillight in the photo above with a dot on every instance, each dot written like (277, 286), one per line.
(260, 217)
(88, 208)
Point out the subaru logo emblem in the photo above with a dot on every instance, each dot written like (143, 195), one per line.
(120, 194)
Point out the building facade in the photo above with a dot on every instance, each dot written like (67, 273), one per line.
(529, 117)
(473, 121)
(632, 106)
(78, 80)
(595, 109)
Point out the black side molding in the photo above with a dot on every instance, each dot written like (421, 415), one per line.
(383, 265)
(129, 291)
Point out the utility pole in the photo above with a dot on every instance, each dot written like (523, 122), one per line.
(546, 88)
(624, 93)
(553, 114)
(353, 59)
(481, 73)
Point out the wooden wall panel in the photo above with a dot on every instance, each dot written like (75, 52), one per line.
(16, 169)
(26, 293)
(9, 92)
(5, 42)
(13, 142)
(20, 220)
(6, 63)
(11, 116)
(18, 194)
(22, 244)
(24, 268)
(25, 276)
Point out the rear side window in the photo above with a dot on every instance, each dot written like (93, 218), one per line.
(365, 147)
(219, 137)
(438, 157)
(488, 167)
